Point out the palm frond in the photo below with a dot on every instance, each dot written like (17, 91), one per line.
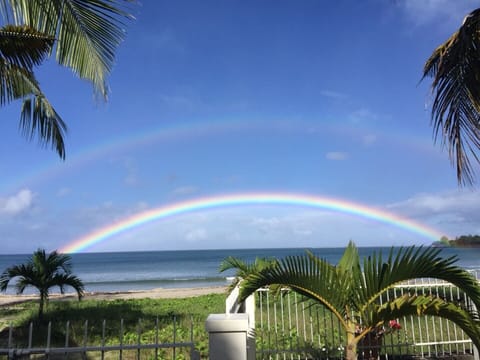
(412, 263)
(23, 46)
(232, 262)
(419, 305)
(307, 275)
(244, 268)
(455, 69)
(88, 32)
(38, 117)
(55, 261)
(63, 280)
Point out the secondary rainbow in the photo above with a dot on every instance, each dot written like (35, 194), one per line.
(170, 132)
(285, 199)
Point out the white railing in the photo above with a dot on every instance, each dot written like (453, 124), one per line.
(288, 327)
(18, 346)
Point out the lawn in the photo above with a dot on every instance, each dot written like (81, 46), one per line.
(121, 321)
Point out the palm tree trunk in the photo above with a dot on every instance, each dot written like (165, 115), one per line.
(351, 350)
(41, 305)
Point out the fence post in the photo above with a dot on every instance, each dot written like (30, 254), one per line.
(251, 343)
(227, 335)
(233, 306)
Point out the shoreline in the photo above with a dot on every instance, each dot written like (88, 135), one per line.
(159, 293)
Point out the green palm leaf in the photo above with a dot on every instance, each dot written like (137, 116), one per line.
(412, 263)
(38, 117)
(419, 305)
(20, 49)
(23, 46)
(88, 32)
(309, 276)
(455, 69)
(243, 268)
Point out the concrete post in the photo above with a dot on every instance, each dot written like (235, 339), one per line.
(227, 336)
(475, 349)
(251, 342)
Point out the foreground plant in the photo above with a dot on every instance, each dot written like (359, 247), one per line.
(352, 292)
(43, 272)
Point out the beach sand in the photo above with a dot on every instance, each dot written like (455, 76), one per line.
(125, 295)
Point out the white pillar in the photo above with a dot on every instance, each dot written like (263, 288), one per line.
(227, 336)
(251, 343)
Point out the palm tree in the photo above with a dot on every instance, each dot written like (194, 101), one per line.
(352, 292)
(83, 34)
(455, 69)
(43, 272)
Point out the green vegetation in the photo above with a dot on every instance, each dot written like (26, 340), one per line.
(83, 35)
(43, 272)
(138, 315)
(463, 241)
(353, 293)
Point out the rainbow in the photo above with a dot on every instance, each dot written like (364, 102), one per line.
(199, 204)
(170, 132)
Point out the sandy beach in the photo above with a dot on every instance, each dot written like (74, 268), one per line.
(140, 294)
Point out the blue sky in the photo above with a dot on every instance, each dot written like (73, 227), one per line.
(229, 97)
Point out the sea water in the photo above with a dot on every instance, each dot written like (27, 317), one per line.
(122, 271)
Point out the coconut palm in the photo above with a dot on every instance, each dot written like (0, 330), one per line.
(352, 292)
(43, 272)
(22, 48)
(455, 69)
(83, 35)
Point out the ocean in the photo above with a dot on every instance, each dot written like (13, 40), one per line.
(123, 271)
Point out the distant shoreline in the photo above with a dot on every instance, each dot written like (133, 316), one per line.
(123, 295)
(454, 246)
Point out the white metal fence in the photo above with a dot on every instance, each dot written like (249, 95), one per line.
(290, 327)
(64, 342)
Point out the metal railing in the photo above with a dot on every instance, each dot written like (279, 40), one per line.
(24, 342)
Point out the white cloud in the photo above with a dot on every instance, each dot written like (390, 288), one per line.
(336, 155)
(196, 235)
(452, 201)
(442, 12)
(17, 203)
(455, 212)
(266, 224)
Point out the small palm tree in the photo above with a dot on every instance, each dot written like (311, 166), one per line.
(43, 272)
(455, 69)
(352, 292)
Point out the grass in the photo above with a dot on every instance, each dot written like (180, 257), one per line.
(176, 318)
